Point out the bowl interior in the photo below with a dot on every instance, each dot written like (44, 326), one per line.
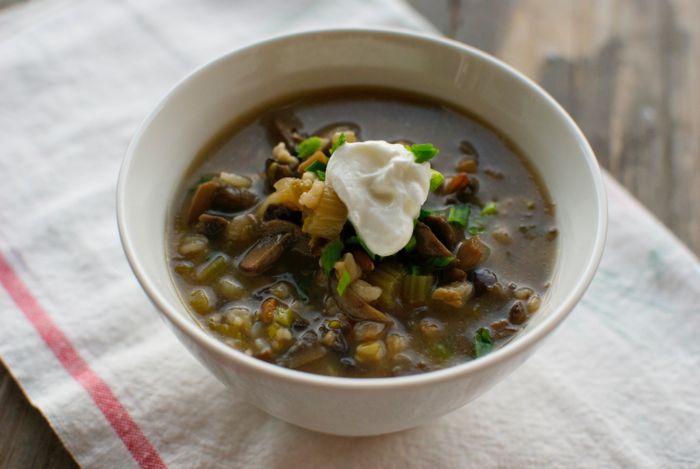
(215, 95)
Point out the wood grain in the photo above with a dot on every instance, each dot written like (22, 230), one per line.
(26, 440)
(626, 70)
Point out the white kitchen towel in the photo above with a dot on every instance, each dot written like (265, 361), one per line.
(618, 385)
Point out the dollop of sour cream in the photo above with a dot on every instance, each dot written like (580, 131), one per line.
(383, 188)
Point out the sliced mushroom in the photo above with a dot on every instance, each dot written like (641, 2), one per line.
(356, 308)
(211, 225)
(428, 244)
(298, 241)
(443, 230)
(281, 212)
(280, 226)
(287, 128)
(202, 200)
(275, 171)
(276, 237)
(264, 253)
(233, 199)
(305, 350)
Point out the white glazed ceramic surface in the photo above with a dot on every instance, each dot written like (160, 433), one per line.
(216, 94)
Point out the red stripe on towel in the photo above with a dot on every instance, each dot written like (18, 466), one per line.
(115, 413)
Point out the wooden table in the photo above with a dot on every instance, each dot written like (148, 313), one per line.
(628, 71)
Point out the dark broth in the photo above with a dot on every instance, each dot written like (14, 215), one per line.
(520, 237)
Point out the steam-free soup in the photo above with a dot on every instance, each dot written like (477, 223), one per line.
(268, 260)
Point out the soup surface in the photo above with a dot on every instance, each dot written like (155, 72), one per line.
(263, 254)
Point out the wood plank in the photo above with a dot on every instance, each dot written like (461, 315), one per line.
(7, 3)
(26, 440)
(626, 70)
(443, 14)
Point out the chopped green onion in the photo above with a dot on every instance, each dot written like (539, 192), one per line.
(441, 261)
(477, 224)
(413, 269)
(340, 142)
(321, 175)
(436, 179)
(331, 255)
(308, 147)
(459, 214)
(483, 343)
(426, 212)
(315, 166)
(357, 240)
(411, 245)
(423, 152)
(489, 209)
(343, 283)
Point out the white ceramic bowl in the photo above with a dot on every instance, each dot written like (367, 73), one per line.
(209, 98)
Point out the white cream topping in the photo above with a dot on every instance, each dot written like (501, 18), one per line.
(383, 188)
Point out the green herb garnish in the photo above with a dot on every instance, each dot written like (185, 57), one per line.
(340, 142)
(321, 175)
(426, 212)
(483, 343)
(423, 152)
(477, 224)
(441, 261)
(459, 214)
(411, 245)
(200, 181)
(343, 283)
(436, 180)
(315, 166)
(331, 255)
(489, 209)
(413, 269)
(357, 240)
(308, 147)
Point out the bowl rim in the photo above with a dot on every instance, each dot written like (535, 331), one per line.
(214, 346)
